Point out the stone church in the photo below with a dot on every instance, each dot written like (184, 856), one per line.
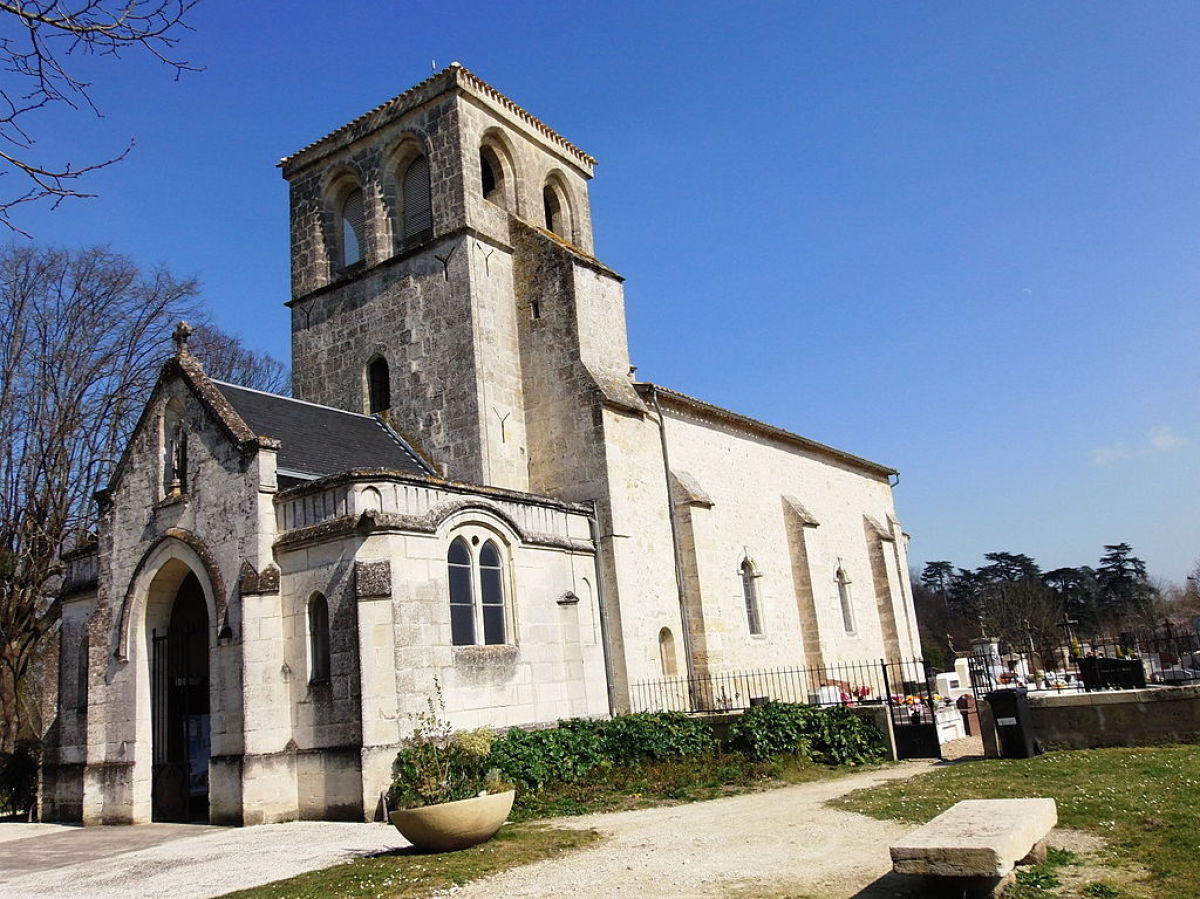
(469, 492)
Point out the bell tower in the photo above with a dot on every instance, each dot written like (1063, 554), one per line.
(442, 275)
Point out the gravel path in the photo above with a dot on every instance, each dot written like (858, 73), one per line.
(185, 863)
(781, 842)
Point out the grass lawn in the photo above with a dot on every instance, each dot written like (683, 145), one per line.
(690, 779)
(408, 874)
(1143, 802)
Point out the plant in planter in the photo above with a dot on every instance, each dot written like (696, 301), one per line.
(442, 797)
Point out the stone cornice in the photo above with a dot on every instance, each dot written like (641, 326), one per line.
(371, 523)
(394, 476)
(453, 77)
(703, 411)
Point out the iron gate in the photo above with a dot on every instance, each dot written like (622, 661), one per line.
(914, 717)
(180, 725)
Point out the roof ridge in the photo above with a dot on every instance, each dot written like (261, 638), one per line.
(290, 399)
(399, 440)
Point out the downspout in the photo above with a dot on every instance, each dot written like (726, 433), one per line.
(689, 661)
(610, 683)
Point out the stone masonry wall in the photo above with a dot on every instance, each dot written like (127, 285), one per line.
(746, 476)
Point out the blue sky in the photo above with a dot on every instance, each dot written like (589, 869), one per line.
(959, 239)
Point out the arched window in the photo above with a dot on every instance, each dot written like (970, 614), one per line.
(353, 217)
(491, 593)
(462, 594)
(750, 594)
(379, 385)
(495, 177)
(666, 652)
(553, 208)
(318, 639)
(477, 604)
(418, 211)
(843, 587)
(491, 176)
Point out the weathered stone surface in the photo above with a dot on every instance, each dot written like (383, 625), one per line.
(976, 838)
(509, 366)
(373, 578)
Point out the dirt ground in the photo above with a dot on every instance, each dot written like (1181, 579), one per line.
(782, 842)
(778, 843)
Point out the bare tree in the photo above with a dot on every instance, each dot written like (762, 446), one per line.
(83, 335)
(226, 358)
(41, 35)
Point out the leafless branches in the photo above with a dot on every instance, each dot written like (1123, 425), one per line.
(82, 336)
(41, 35)
(226, 358)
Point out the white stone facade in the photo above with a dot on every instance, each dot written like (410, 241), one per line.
(639, 533)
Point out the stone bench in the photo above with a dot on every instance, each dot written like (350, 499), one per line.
(972, 848)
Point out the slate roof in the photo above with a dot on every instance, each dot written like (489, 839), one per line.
(319, 440)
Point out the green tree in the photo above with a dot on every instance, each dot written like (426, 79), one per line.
(1126, 596)
(937, 577)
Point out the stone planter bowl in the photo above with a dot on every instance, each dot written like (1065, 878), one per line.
(454, 825)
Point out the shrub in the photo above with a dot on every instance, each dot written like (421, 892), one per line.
(632, 739)
(535, 758)
(438, 765)
(577, 746)
(833, 735)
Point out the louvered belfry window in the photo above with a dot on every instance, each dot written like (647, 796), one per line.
(418, 212)
(353, 218)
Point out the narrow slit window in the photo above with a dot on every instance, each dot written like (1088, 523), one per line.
(750, 594)
(379, 385)
(81, 674)
(318, 639)
(843, 586)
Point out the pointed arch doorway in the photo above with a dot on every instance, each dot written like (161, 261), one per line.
(179, 708)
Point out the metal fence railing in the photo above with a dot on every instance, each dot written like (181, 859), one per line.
(1167, 656)
(841, 683)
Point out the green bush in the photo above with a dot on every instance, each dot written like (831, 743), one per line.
(533, 759)
(632, 739)
(833, 735)
(577, 746)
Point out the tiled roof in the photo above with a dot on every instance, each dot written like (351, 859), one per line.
(320, 440)
(482, 86)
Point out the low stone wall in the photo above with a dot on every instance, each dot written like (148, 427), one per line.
(1116, 717)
